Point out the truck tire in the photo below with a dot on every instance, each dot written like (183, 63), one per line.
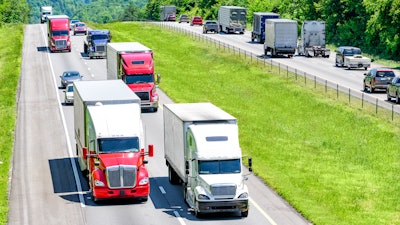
(172, 176)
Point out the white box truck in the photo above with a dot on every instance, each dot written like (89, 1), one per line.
(280, 37)
(110, 140)
(232, 19)
(44, 12)
(201, 149)
(312, 40)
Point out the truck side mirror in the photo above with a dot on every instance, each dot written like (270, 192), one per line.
(84, 152)
(158, 78)
(250, 161)
(151, 150)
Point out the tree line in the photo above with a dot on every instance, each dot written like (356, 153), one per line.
(371, 25)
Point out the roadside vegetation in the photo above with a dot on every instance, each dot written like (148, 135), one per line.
(335, 164)
(11, 36)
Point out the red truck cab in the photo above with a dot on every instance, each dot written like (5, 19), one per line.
(138, 70)
(58, 33)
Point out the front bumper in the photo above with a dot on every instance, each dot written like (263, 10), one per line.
(222, 206)
(107, 193)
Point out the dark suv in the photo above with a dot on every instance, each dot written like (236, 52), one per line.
(378, 78)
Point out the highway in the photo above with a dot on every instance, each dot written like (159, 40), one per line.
(46, 186)
(322, 68)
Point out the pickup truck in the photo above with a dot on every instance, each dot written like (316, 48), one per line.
(210, 25)
(351, 57)
(393, 90)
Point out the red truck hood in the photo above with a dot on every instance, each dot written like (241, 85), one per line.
(120, 159)
(141, 87)
(138, 63)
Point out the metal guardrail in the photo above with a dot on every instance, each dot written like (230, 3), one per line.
(356, 98)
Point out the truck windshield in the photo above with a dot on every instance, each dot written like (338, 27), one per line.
(219, 166)
(139, 78)
(59, 33)
(99, 37)
(112, 145)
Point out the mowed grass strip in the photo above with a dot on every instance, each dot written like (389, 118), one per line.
(335, 164)
(11, 36)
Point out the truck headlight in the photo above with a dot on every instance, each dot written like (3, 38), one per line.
(144, 181)
(244, 195)
(98, 183)
(203, 197)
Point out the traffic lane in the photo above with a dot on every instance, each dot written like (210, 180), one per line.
(39, 191)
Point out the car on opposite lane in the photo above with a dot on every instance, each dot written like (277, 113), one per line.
(184, 18)
(377, 78)
(196, 20)
(69, 76)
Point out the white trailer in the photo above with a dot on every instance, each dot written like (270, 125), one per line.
(108, 92)
(280, 37)
(232, 19)
(201, 148)
(312, 39)
(44, 12)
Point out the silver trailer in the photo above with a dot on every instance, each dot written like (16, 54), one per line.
(312, 40)
(259, 18)
(232, 19)
(280, 37)
(166, 11)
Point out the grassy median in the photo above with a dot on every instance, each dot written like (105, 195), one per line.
(11, 36)
(335, 164)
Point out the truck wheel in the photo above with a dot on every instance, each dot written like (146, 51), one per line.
(371, 89)
(172, 176)
(245, 213)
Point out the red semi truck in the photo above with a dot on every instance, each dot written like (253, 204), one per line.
(133, 63)
(58, 33)
(110, 140)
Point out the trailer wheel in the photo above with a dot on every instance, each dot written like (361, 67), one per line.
(172, 176)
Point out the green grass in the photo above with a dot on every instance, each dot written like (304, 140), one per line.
(11, 36)
(335, 163)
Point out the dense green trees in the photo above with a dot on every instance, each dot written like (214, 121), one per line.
(370, 24)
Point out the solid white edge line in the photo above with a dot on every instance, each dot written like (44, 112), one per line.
(179, 218)
(270, 220)
(71, 156)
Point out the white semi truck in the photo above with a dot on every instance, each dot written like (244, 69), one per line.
(44, 12)
(280, 37)
(312, 40)
(110, 140)
(201, 148)
(232, 19)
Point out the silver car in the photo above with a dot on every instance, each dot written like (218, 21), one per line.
(69, 76)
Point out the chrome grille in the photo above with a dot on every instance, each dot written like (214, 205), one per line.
(223, 191)
(144, 96)
(61, 44)
(100, 48)
(122, 176)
